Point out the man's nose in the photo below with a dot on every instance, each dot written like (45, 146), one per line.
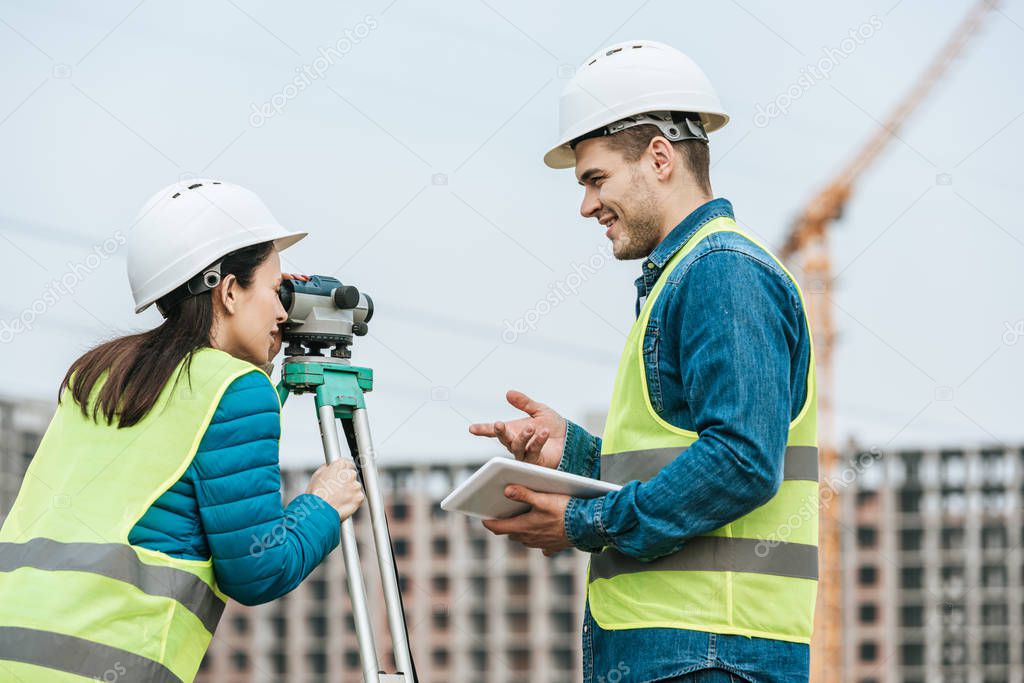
(591, 203)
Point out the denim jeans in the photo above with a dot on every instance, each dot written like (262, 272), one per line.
(661, 655)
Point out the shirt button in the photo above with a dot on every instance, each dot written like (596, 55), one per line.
(586, 627)
(650, 265)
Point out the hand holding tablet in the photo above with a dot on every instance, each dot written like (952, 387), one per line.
(483, 494)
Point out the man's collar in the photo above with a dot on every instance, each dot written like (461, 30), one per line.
(681, 234)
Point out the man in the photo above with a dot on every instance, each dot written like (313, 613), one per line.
(704, 564)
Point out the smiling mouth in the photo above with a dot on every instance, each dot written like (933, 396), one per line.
(608, 225)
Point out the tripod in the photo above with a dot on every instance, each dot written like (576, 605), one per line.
(339, 388)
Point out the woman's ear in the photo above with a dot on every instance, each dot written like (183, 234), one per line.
(227, 293)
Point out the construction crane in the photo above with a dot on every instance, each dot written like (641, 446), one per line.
(806, 248)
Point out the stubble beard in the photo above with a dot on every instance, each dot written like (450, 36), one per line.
(640, 228)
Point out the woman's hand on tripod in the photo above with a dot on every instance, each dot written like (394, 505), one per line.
(337, 484)
(538, 438)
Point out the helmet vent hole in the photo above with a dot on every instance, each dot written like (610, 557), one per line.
(175, 195)
(611, 52)
(192, 187)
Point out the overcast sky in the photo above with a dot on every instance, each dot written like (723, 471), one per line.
(407, 139)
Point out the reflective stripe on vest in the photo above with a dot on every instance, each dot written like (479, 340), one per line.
(719, 554)
(800, 464)
(79, 656)
(117, 561)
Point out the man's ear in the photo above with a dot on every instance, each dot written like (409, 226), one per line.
(227, 293)
(663, 156)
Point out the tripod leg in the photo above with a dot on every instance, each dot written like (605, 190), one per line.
(353, 571)
(382, 542)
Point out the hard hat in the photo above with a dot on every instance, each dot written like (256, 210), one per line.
(189, 226)
(633, 83)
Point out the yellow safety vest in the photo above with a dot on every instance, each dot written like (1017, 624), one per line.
(77, 601)
(756, 576)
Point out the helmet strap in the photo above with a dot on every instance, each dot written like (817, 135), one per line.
(197, 284)
(675, 126)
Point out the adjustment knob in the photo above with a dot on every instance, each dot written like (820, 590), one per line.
(346, 297)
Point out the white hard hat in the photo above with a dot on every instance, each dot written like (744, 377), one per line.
(190, 225)
(629, 79)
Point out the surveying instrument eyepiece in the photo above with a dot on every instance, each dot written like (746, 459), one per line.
(324, 317)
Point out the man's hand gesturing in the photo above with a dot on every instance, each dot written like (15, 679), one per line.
(538, 438)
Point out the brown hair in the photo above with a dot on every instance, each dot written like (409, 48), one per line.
(632, 142)
(138, 366)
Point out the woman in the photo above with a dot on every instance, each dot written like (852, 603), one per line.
(156, 492)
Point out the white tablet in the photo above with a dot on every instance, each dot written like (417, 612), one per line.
(483, 494)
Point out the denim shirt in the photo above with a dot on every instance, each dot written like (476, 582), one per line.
(726, 355)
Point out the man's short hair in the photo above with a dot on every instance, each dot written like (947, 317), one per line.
(632, 142)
